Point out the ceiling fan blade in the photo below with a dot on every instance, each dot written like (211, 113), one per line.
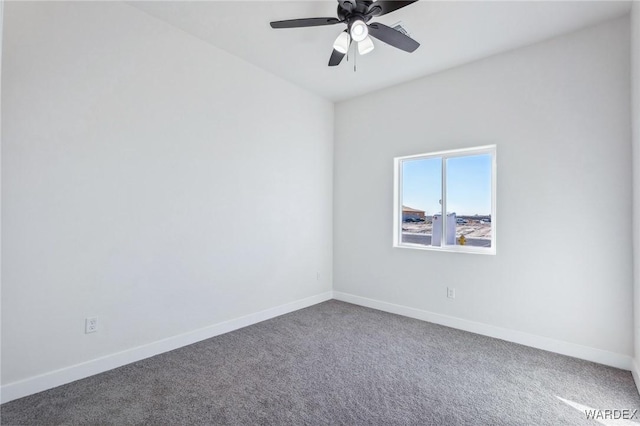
(305, 22)
(336, 58)
(392, 37)
(382, 7)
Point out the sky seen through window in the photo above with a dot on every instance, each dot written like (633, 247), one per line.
(468, 184)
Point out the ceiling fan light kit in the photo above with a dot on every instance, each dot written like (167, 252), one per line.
(359, 30)
(342, 42)
(365, 46)
(357, 14)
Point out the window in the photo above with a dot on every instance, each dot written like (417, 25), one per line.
(446, 201)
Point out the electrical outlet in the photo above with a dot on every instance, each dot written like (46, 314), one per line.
(451, 293)
(90, 325)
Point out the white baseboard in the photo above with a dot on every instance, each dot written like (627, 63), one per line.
(599, 356)
(636, 374)
(66, 375)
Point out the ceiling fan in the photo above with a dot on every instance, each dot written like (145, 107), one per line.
(356, 14)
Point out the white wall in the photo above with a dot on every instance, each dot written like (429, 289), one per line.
(151, 180)
(1, 32)
(635, 81)
(559, 114)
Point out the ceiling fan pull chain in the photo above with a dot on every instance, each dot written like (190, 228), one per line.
(355, 60)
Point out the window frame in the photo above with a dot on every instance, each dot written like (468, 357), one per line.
(444, 155)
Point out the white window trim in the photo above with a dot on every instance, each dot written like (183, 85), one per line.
(397, 199)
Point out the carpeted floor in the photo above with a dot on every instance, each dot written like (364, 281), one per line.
(336, 363)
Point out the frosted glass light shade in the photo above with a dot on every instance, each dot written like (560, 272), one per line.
(359, 30)
(342, 42)
(365, 46)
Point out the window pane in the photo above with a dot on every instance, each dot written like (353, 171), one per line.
(421, 188)
(469, 200)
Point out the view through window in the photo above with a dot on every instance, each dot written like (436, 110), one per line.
(446, 200)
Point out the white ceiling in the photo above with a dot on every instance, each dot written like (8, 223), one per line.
(451, 33)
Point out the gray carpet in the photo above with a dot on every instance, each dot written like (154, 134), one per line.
(336, 363)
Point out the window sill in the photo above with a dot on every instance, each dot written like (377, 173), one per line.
(450, 249)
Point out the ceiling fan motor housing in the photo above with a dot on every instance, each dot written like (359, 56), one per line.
(350, 10)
